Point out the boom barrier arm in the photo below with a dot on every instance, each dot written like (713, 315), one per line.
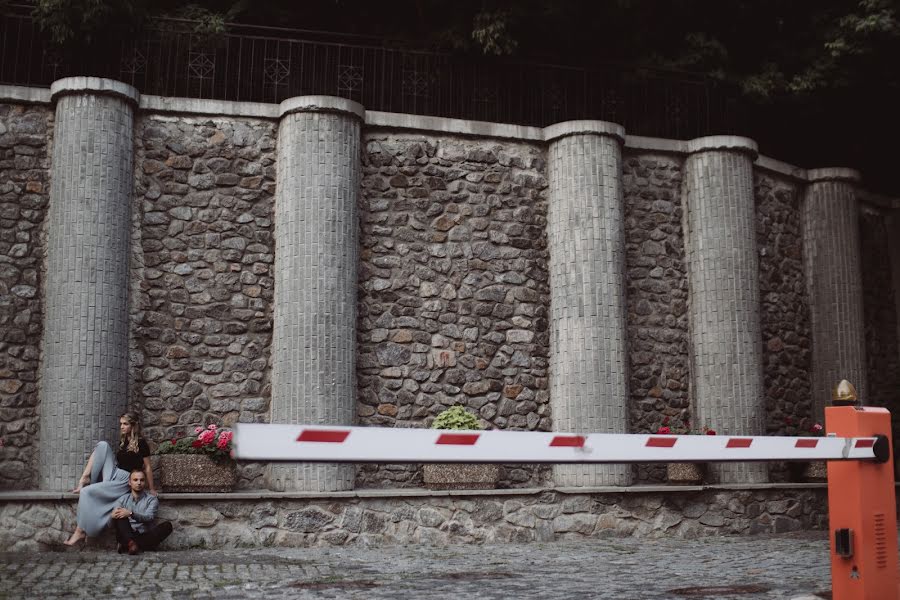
(316, 443)
(861, 495)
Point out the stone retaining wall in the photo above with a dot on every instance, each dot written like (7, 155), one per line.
(784, 311)
(657, 325)
(537, 515)
(204, 249)
(453, 289)
(26, 133)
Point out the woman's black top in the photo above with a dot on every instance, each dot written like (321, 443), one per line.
(128, 461)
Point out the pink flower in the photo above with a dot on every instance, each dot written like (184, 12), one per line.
(710, 432)
(663, 431)
(206, 437)
(198, 429)
(212, 426)
(817, 428)
(196, 444)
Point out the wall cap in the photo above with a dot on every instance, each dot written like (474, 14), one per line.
(722, 142)
(94, 85)
(329, 104)
(585, 127)
(40, 495)
(833, 174)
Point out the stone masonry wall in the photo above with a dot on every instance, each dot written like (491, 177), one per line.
(882, 353)
(204, 252)
(784, 311)
(657, 297)
(453, 288)
(25, 138)
(440, 520)
(785, 308)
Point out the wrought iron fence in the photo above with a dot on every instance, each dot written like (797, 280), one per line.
(270, 65)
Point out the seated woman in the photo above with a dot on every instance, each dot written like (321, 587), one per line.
(105, 478)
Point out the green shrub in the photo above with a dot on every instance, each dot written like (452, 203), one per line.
(456, 417)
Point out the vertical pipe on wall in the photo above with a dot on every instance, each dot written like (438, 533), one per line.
(831, 253)
(316, 251)
(723, 280)
(585, 232)
(84, 373)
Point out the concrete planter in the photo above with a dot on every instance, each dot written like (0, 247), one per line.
(815, 472)
(684, 473)
(195, 473)
(459, 476)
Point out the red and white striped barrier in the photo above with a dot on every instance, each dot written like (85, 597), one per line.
(315, 443)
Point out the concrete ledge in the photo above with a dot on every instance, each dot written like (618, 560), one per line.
(586, 127)
(94, 85)
(332, 104)
(26, 95)
(37, 495)
(219, 108)
(465, 127)
(781, 168)
(722, 142)
(655, 144)
(833, 174)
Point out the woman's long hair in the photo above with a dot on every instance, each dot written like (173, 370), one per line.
(130, 442)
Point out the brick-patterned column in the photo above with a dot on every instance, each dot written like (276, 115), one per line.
(316, 251)
(831, 254)
(585, 233)
(723, 279)
(84, 375)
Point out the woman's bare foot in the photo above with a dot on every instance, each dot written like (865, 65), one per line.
(85, 480)
(76, 538)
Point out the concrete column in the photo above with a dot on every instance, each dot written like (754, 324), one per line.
(84, 378)
(831, 252)
(723, 280)
(585, 233)
(316, 252)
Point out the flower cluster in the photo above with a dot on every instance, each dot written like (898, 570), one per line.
(210, 440)
(804, 427)
(684, 429)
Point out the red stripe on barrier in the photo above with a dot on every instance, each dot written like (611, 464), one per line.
(810, 443)
(458, 439)
(660, 442)
(322, 435)
(571, 441)
(739, 443)
(864, 443)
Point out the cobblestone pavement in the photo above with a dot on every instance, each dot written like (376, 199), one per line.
(778, 566)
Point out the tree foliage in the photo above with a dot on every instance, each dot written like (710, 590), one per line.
(813, 70)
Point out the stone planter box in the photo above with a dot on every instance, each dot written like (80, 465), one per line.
(815, 472)
(195, 473)
(684, 473)
(460, 476)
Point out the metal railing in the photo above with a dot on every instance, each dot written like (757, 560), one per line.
(271, 64)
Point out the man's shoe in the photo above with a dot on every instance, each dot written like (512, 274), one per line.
(133, 547)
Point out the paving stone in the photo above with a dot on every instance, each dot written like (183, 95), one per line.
(793, 565)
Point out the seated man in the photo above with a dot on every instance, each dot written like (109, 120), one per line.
(133, 517)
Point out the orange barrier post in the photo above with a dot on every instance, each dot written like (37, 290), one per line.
(862, 509)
